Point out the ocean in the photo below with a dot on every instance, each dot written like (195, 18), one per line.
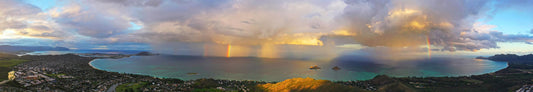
(267, 69)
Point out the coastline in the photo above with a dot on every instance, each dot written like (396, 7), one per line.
(383, 81)
(84, 76)
(447, 75)
(90, 64)
(93, 67)
(87, 77)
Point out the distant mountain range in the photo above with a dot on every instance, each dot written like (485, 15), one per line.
(17, 49)
(509, 57)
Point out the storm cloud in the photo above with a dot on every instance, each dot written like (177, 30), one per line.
(449, 25)
(21, 20)
(446, 25)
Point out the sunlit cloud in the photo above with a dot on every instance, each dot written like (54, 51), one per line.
(263, 28)
(101, 48)
(10, 34)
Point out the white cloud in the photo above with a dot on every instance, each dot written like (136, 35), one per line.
(449, 25)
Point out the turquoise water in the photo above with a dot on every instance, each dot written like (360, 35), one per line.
(352, 67)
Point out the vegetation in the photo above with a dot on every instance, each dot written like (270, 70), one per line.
(5, 55)
(509, 58)
(519, 73)
(205, 83)
(131, 87)
(11, 62)
(306, 85)
(5, 66)
(208, 90)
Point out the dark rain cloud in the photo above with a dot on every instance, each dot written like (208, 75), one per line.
(449, 24)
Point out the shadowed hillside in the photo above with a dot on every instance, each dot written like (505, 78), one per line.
(16, 49)
(509, 57)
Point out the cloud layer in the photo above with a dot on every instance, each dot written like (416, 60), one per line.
(448, 25)
(20, 20)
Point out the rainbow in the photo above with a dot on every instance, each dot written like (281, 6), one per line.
(229, 51)
(429, 46)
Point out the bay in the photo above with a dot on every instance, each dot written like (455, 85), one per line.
(265, 69)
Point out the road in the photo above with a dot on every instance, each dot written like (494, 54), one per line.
(113, 87)
(525, 88)
(4, 82)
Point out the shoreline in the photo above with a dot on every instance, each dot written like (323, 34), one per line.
(169, 77)
(95, 67)
(506, 66)
(87, 78)
(126, 73)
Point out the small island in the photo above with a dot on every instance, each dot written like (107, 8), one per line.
(71, 72)
(192, 73)
(314, 67)
(336, 68)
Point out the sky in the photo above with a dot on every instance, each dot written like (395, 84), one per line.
(273, 28)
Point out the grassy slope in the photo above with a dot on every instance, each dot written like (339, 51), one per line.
(131, 87)
(6, 62)
(5, 66)
(11, 62)
(307, 85)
